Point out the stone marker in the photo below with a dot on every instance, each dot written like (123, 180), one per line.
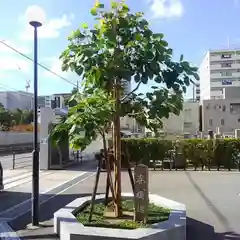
(141, 198)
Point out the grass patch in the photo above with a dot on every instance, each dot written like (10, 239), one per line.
(103, 216)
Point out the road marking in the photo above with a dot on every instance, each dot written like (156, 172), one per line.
(65, 182)
(12, 179)
(24, 180)
(73, 185)
(28, 200)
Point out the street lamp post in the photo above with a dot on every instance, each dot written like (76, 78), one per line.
(35, 17)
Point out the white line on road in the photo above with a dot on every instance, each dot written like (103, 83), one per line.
(24, 180)
(18, 177)
(45, 192)
(6, 232)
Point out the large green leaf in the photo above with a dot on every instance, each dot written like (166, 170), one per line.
(123, 46)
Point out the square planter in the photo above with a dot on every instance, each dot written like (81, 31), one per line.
(68, 228)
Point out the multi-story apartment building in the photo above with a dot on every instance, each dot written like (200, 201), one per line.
(219, 69)
(12, 100)
(45, 101)
(53, 101)
(222, 114)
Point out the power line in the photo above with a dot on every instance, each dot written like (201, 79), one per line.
(39, 64)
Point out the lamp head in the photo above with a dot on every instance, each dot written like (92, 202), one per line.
(35, 16)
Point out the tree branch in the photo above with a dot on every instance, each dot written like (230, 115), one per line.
(134, 90)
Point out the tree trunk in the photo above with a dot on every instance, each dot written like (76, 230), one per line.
(117, 151)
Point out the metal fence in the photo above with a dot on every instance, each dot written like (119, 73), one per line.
(21, 161)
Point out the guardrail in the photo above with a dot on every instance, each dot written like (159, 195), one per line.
(22, 161)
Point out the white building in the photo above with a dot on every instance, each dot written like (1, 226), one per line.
(12, 100)
(185, 124)
(219, 69)
(45, 101)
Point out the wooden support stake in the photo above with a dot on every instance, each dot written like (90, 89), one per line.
(95, 188)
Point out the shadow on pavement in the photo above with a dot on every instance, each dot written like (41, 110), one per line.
(46, 218)
(197, 230)
(208, 202)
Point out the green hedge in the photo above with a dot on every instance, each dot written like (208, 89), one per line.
(220, 153)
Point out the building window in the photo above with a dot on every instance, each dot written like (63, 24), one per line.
(239, 120)
(235, 108)
(238, 70)
(225, 74)
(222, 121)
(224, 108)
(226, 56)
(210, 122)
(197, 91)
(226, 65)
(187, 124)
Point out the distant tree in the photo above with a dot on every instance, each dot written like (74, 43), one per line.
(2, 107)
(6, 120)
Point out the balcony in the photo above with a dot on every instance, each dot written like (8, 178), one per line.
(219, 57)
(218, 66)
(225, 83)
(218, 75)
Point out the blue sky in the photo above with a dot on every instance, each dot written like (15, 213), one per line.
(190, 26)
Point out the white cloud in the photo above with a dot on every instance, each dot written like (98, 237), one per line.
(166, 8)
(6, 50)
(50, 28)
(56, 67)
(11, 64)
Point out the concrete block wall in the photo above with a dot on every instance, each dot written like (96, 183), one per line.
(8, 138)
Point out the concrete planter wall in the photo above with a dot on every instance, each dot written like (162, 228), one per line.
(68, 228)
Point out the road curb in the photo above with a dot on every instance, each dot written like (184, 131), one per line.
(6, 232)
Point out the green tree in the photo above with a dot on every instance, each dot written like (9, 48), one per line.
(1, 107)
(22, 116)
(70, 102)
(6, 120)
(89, 118)
(121, 46)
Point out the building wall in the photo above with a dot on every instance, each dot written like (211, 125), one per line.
(186, 122)
(13, 100)
(8, 138)
(130, 124)
(231, 92)
(204, 74)
(222, 113)
(223, 65)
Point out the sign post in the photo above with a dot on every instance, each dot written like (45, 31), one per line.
(141, 198)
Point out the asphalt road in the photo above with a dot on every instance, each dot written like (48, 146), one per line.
(21, 161)
(211, 198)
